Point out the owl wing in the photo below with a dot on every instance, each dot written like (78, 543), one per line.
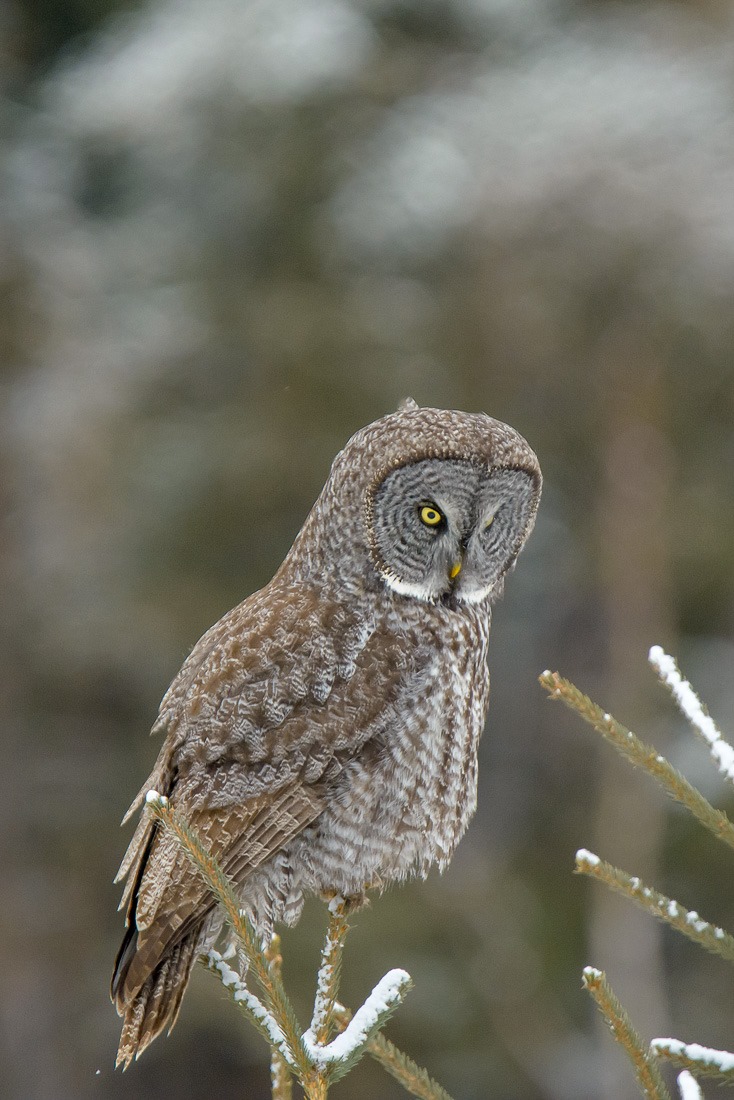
(271, 703)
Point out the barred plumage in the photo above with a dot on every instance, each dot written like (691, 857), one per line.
(322, 736)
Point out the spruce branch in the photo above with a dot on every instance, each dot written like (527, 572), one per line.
(311, 1057)
(704, 1061)
(693, 709)
(687, 921)
(645, 1066)
(251, 1005)
(641, 755)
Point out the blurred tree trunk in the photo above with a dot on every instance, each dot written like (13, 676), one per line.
(634, 570)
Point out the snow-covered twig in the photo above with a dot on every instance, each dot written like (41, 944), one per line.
(252, 1005)
(693, 1056)
(646, 1068)
(346, 1049)
(327, 983)
(693, 709)
(641, 755)
(315, 1064)
(687, 921)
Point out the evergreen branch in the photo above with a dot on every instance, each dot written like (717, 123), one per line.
(693, 709)
(280, 1078)
(641, 755)
(411, 1076)
(327, 985)
(276, 1000)
(252, 1006)
(686, 921)
(704, 1061)
(688, 1086)
(646, 1068)
(343, 1052)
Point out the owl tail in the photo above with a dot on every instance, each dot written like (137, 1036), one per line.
(154, 1005)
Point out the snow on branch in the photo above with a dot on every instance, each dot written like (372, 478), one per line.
(379, 1006)
(693, 709)
(692, 1059)
(310, 1057)
(411, 1076)
(687, 921)
(327, 985)
(254, 1007)
(693, 1056)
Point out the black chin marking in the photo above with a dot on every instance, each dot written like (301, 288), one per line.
(449, 600)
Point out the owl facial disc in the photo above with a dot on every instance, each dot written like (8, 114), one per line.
(449, 529)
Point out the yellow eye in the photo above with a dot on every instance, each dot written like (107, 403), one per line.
(430, 515)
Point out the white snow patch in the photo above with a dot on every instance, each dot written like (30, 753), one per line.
(243, 995)
(388, 991)
(721, 1060)
(691, 706)
(585, 856)
(688, 1086)
(695, 921)
(153, 798)
(591, 973)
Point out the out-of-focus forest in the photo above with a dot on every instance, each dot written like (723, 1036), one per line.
(233, 232)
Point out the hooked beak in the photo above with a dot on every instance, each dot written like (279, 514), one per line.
(455, 570)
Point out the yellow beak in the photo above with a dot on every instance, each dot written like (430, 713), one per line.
(455, 570)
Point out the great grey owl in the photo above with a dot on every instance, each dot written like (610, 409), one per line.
(322, 736)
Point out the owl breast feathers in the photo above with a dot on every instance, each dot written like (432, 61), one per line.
(322, 736)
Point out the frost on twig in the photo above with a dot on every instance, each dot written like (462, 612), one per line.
(688, 1086)
(692, 1056)
(687, 921)
(645, 1066)
(694, 710)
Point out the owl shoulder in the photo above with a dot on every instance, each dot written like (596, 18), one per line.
(278, 669)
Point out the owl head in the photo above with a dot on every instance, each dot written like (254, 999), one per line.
(432, 503)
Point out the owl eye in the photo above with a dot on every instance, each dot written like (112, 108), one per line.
(431, 516)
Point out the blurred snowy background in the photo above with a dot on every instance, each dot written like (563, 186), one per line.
(233, 232)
